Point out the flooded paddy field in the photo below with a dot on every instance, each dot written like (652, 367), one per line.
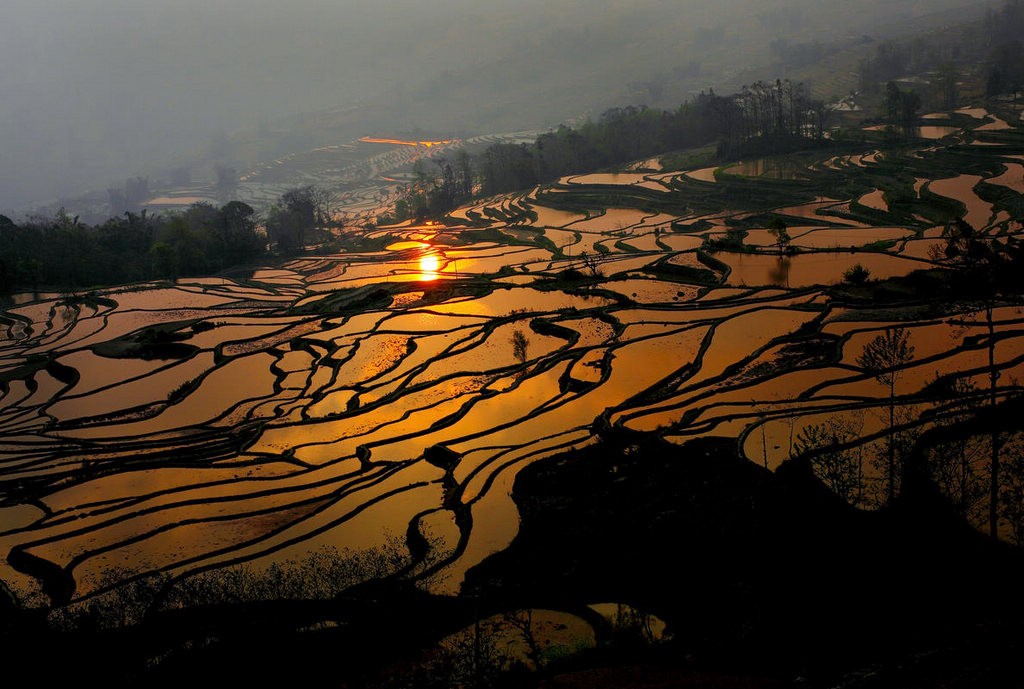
(356, 399)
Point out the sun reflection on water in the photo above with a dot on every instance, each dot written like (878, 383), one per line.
(430, 264)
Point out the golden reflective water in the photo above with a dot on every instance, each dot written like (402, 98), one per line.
(429, 267)
(297, 416)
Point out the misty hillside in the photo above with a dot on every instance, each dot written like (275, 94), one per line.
(97, 92)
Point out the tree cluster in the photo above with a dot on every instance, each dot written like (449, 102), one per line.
(65, 253)
(619, 136)
(775, 113)
(768, 117)
(978, 466)
(992, 44)
(293, 218)
(1005, 24)
(1005, 69)
(440, 186)
(901, 106)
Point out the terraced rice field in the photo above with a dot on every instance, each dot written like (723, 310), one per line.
(344, 400)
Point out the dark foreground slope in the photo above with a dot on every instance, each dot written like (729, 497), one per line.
(765, 574)
(764, 579)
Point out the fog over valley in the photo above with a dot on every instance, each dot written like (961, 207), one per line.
(100, 91)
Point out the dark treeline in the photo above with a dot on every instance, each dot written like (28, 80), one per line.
(1005, 59)
(62, 252)
(762, 118)
(67, 254)
(993, 43)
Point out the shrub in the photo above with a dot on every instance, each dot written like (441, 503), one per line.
(856, 275)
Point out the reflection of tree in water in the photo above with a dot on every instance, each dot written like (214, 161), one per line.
(779, 273)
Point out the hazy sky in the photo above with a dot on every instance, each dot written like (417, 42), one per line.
(95, 91)
(106, 87)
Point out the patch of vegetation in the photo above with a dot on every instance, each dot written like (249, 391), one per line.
(68, 254)
(162, 341)
(856, 275)
(352, 300)
(686, 274)
(181, 392)
(712, 262)
(732, 240)
(688, 160)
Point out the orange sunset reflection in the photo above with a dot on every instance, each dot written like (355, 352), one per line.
(429, 267)
(400, 142)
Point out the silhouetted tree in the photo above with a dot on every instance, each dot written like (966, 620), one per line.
(856, 275)
(237, 238)
(985, 266)
(292, 218)
(953, 465)
(884, 358)
(1012, 489)
(840, 468)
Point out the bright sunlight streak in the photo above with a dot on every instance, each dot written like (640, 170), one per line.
(429, 265)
